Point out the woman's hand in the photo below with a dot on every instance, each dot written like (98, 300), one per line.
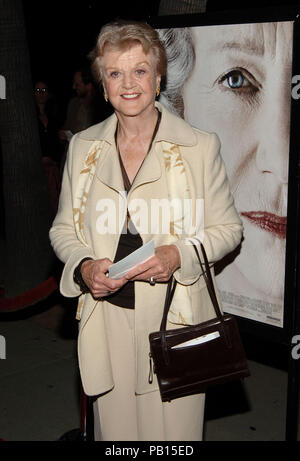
(94, 274)
(161, 266)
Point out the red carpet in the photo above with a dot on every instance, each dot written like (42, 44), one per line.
(30, 297)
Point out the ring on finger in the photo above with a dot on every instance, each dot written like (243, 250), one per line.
(152, 281)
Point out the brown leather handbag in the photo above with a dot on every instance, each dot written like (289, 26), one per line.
(190, 359)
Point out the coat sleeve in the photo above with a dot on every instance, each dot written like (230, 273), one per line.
(222, 224)
(68, 248)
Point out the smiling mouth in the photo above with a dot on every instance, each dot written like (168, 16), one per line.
(268, 221)
(130, 96)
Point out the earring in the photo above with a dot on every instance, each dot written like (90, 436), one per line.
(157, 91)
(105, 95)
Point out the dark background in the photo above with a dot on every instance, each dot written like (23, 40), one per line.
(60, 34)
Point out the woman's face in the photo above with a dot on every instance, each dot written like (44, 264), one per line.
(41, 93)
(130, 80)
(240, 89)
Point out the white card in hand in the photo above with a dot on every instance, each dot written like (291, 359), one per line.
(119, 269)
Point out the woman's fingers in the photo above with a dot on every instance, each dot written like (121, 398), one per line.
(158, 268)
(161, 266)
(94, 274)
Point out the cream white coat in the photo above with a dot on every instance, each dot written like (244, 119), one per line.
(222, 233)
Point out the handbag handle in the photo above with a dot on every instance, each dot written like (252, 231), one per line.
(169, 296)
(209, 283)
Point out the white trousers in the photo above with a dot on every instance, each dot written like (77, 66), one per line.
(121, 415)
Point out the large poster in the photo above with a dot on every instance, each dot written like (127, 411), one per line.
(235, 80)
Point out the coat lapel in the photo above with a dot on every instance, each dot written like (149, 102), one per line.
(108, 170)
(150, 170)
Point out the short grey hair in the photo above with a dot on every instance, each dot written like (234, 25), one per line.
(180, 52)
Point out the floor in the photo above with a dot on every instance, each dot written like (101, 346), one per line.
(40, 386)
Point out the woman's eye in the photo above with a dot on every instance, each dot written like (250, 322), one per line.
(239, 80)
(236, 80)
(114, 74)
(140, 71)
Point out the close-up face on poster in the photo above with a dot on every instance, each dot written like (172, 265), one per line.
(235, 80)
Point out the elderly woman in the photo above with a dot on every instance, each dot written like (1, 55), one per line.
(141, 155)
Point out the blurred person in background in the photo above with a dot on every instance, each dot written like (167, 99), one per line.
(49, 139)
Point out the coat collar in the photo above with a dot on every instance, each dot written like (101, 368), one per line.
(172, 129)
